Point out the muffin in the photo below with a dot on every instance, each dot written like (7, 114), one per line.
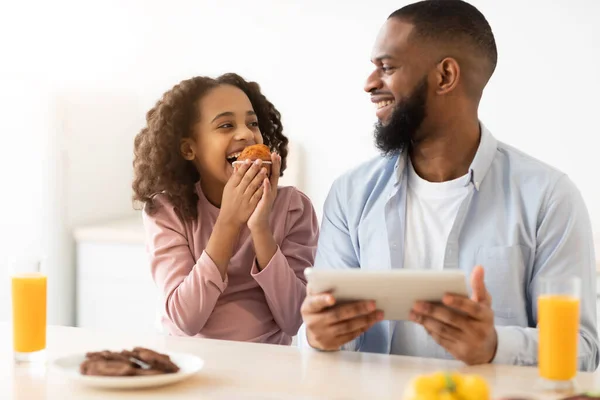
(256, 152)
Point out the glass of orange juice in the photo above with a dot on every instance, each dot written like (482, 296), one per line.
(28, 284)
(558, 328)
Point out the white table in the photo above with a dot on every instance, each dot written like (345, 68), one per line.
(249, 371)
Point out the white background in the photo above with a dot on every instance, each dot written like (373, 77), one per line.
(76, 79)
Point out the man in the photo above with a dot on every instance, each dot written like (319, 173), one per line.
(445, 195)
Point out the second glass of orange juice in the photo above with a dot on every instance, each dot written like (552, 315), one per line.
(558, 327)
(28, 285)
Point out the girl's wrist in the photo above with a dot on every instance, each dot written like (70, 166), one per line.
(260, 229)
(228, 224)
(264, 245)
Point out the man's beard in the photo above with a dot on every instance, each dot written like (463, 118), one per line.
(406, 118)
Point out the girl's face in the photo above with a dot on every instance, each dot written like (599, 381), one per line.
(227, 125)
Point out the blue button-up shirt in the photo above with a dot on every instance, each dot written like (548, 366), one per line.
(522, 220)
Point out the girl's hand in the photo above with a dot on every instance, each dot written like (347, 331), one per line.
(259, 220)
(242, 193)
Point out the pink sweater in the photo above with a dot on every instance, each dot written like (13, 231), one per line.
(250, 305)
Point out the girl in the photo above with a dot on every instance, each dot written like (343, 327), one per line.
(227, 246)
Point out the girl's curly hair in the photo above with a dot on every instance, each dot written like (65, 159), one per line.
(158, 165)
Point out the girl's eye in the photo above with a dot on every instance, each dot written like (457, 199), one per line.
(225, 126)
(253, 124)
(387, 69)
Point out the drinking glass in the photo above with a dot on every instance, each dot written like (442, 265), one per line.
(558, 327)
(28, 284)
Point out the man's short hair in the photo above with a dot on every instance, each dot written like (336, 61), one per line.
(452, 21)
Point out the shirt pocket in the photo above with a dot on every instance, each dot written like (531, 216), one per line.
(505, 276)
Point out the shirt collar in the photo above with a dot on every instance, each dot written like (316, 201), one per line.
(483, 157)
(400, 167)
(479, 167)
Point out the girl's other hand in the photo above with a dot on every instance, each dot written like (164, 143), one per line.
(242, 193)
(259, 220)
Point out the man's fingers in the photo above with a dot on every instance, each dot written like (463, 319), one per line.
(473, 309)
(317, 303)
(439, 329)
(332, 337)
(441, 313)
(360, 323)
(442, 334)
(329, 326)
(447, 343)
(348, 311)
(480, 293)
(343, 339)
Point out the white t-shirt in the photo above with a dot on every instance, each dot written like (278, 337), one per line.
(431, 208)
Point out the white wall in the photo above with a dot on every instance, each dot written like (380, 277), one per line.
(99, 66)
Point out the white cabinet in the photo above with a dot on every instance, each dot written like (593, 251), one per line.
(114, 289)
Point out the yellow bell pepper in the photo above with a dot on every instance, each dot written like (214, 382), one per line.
(447, 386)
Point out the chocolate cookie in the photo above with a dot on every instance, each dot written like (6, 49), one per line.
(106, 356)
(139, 362)
(155, 360)
(101, 367)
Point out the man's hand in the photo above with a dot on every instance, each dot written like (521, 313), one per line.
(464, 327)
(329, 326)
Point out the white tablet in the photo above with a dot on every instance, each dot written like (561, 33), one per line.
(394, 291)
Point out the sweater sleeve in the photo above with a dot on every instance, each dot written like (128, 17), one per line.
(190, 288)
(282, 280)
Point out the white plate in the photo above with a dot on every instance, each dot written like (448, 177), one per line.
(188, 365)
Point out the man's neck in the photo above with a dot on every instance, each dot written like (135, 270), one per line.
(446, 153)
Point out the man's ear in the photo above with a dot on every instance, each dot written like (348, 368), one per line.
(448, 75)
(187, 149)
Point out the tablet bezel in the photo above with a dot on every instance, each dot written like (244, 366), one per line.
(394, 291)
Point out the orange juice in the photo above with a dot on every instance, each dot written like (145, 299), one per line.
(29, 312)
(558, 326)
